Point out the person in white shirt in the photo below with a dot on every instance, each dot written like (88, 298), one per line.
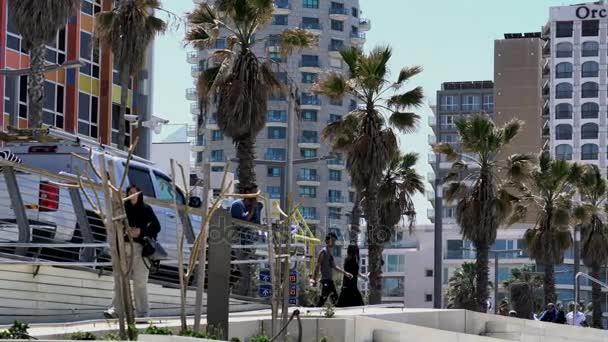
(577, 319)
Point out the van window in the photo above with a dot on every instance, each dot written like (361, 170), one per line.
(166, 189)
(141, 178)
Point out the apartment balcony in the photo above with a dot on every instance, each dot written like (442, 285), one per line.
(430, 177)
(357, 38)
(311, 66)
(365, 24)
(192, 131)
(310, 103)
(430, 195)
(212, 122)
(334, 49)
(336, 164)
(273, 45)
(195, 108)
(276, 120)
(282, 7)
(340, 14)
(198, 146)
(432, 158)
(217, 161)
(308, 180)
(311, 218)
(309, 142)
(430, 214)
(274, 157)
(316, 29)
(192, 57)
(336, 201)
(191, 94)
(195, 70)
(432, 139)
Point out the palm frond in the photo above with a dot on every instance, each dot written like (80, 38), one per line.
(333, 86)
(405, 122)
(511, 129)
(447, 150)
(412, 98)
(352, 57)
(295, 39)
(408, 72)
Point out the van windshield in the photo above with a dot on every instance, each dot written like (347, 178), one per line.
(166, 192)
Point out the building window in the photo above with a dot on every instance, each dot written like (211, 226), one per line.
(590, 110)
(488, 103)
(471, 103)
(589, 131)
(334, 213)
(89, 54)
(217, 135)
(392, 287)
(88, 115)
(395, 263)
(275, 56)
(310, 4)
(309, 77)
(56, 50)
(281, 20)
(308, 175)
(308, 152)
(563, 132)
(311, 23)
(563, 111)
(115, 121)
(309, 213)
(275, 154)
(53, 105)
(310, 61)
(336, 251)
(276, 116)
(590, 69)
(334, 118)
(563, 70)
(447, 122)
(273, 171)
(337, 25)
(449, 103)
(309, 115)
(310, 99)
(311, 137)
(336, 45)
(589, 152)
(336, 102)
(217, 156)
(428, 273)
(217, 169)
(591, 28)
(590, 49)
(563, 152)
(589, 90)
(355, 12)
(274, 192)
(277, 132)
(428, 298)
(308, 191)
(90, 7)
(335, 175)
(335, 62)
(563, 91)
(563, 50)
(335, 196)
(564, 29)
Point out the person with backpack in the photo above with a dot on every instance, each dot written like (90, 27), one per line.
(143, 225)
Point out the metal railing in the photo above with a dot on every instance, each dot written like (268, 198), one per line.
(577, 286)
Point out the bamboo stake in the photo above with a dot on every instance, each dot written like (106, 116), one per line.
(180, 254)
(200, 279)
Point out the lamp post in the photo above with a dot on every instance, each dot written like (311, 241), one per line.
(496, 254)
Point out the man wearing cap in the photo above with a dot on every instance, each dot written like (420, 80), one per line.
(326, 264)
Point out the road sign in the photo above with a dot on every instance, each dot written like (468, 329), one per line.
(265, 276)
(265, 290)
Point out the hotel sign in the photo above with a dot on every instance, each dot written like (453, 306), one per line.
(581, 12)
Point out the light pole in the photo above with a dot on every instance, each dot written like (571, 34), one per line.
(496, 254)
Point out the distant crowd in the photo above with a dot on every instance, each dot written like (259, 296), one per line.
(556, 314)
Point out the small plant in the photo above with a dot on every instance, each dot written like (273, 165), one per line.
(17, 331)
(235, 339)
(328, 310)
(110, 337)
(261, 338)
(81, 336)
(154, 330)
(324, 339)
(207, 335)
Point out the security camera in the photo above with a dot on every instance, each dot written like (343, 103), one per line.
(131, 118)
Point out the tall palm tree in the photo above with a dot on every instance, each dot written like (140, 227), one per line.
(128, 29)
(38, 23)
(462, 288)
(525, 288)
(397, 188)
(476, 183)
(367, 134)
(591, 213)
(240, 80)
(548, 191)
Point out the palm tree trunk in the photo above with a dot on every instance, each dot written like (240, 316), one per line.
(245, 153)
(374, 245)
(124, 97)
(355, 218)
(482, 276)
(549, 284)
(596, 297)
(35, 87)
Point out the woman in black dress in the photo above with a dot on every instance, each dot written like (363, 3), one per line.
(350, 295)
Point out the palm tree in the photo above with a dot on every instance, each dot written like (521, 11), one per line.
(128, 29)
(38, 23)
(476, 184)
(525, 287)
(462, 288)
(549, 191)
(366, 134)
(400, 183)
(591, 213)
(239, 79)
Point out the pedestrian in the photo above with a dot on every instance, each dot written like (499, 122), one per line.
(560, 316)
(143, 223)
(326, 265)
(549, 315)
(575, 316)
(349, 294)
(513, 313)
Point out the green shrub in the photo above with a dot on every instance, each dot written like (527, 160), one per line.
(190, 333)
(328, 310)
(154, 330)
(261, 338)
(111, 337)
(17, 331)
(324, 339)
(235, 339)
(81, 336)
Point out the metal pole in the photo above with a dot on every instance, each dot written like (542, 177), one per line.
(18, 207)
(495, 283)
(577, 254)
(200, 274)
(438, 253)
(291, 134)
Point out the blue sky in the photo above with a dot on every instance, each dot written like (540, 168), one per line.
(452, 40)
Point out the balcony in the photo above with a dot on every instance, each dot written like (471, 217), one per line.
(273, 45)
(274, 119)
(432, 139)
(334, 49)
(314, 28)
(195, 109)
(336, 164)
(274, 157)
(430, 214)
(217, 160)
(340, 14)
(191, 94)
(365, 24)
(192, 131)
(195, 70)
(198, 146)
(310, 103)
(308, 180)
(311, 66)
(312, 218)
(192, 57)
(336, 201)
(357, 38)
(282, 7)
(309, 142)
(432, 158)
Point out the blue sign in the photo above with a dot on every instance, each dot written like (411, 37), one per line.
(265, 290)
(293, 277)
(265, 276)
(293, 301)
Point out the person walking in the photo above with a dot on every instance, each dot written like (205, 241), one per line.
(575, 316)
(560, 316)
(326, 265)
(349, 294)
(143, 223)
(549, 315)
